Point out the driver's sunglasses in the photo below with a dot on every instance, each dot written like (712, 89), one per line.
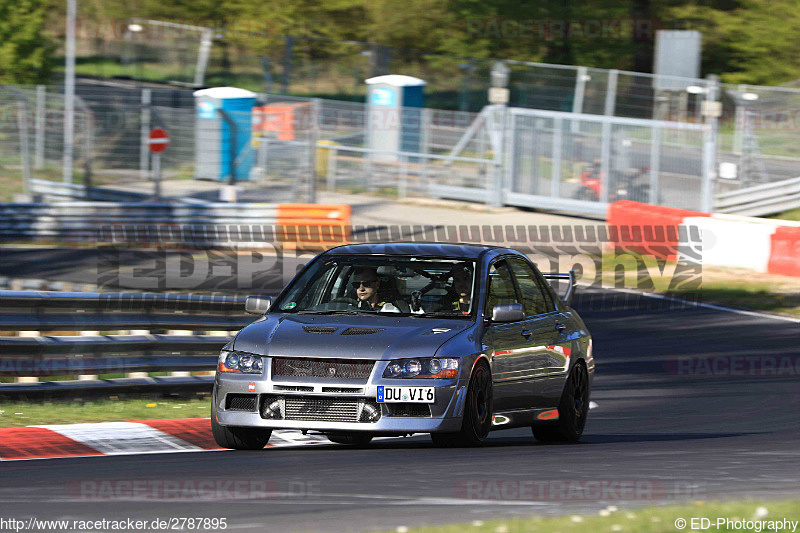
(367, 284)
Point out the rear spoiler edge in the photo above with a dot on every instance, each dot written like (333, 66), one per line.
(572, 283)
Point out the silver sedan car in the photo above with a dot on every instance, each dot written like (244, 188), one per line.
(394, 339)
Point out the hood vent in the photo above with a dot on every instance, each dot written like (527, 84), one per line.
(321, 330)
(361, 331)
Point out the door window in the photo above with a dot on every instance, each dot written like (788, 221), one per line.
(500, 287)
(535, 298)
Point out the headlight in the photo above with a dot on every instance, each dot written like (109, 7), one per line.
(432, 367)
(238, 362)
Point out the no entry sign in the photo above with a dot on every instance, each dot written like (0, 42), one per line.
(158, 140)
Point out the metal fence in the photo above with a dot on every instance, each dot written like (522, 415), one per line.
(317, 143)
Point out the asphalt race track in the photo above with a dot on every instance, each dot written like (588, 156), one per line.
(666, 429)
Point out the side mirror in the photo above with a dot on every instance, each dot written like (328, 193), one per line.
(257, 305)
(508, 312)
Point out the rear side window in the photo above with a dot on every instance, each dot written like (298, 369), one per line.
(500, 287)
(535, 298)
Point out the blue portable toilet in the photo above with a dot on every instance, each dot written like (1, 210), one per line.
(395, 114)
(214, 135)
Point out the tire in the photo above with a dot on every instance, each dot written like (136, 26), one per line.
(350, 439)
(572, 410)
(477, 419)
(239, 438)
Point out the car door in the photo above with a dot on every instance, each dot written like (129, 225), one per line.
(513, 346)
(549, 346)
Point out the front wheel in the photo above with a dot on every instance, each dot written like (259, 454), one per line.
(477, 420)
(239, 438)
(572, 410)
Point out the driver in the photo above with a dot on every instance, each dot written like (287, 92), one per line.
(366, 284)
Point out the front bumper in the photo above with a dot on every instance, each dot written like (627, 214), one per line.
(444, 414)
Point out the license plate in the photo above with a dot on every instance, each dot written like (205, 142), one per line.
(405, 394)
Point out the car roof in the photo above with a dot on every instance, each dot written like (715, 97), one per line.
(449, 250)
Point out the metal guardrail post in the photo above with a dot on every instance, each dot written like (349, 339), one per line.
(709, 149)
(22, 114)
(739, 120)
(555, 171)
(206, 41)
(331, 177)
(314, 134)
(655, 155)
(38, 149)
(605, 160)
(581, 77)
(611, 93)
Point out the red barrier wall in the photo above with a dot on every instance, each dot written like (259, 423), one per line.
(647, 229)
(784, 257)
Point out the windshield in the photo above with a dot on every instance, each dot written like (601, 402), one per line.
(407, 285)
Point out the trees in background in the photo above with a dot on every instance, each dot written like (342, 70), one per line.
(25, 49)
(745, 41)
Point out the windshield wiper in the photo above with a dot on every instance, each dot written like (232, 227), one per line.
(435, 315)
(328, 312)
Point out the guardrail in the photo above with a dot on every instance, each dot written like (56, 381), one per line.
(60, 191)
(89, 354)
(761, 200)
(198, 225)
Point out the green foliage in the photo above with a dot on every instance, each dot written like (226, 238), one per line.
(748, 41)
(25, 51)
(745, 41)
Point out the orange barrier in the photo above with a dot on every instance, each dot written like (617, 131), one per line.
(281, 120)
(647, 229)
(314, 225)
(784, 257)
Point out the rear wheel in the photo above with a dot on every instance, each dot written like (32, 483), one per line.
(572, 410)
(239, 438)
(477, 420)
(351, 439)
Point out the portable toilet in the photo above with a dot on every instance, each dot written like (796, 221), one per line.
(394, 122)
(222, 130)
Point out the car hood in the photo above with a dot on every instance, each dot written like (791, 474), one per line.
(347, 336)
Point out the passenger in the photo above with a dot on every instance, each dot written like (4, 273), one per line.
(462, 285)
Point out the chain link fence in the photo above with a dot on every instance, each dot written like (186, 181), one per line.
(290, 147)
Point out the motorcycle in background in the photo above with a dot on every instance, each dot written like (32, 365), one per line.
(632, 184)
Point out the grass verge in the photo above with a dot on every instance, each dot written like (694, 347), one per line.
(16, 414)
(732, 287)
(793, 214)
(646, 520)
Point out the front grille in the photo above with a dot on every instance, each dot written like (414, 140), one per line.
(409, 409)
(240, 402)
(322, 330)
(298, 388)
(342, 390)
(361, 331)
(319, 409)
(322, 368)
